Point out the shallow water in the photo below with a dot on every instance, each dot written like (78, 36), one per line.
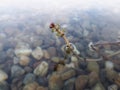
(31, 55)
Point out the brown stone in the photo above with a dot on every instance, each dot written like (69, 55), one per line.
(31, 86)
(55, 82)
(81, 82)
(93, 78)
(93, 66)
(111, 75)
(42, 88)
(68, 74)
(52, 51)
(46, 54)
(59, 67)
(24, 60)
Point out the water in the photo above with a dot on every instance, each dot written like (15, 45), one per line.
(31, 57)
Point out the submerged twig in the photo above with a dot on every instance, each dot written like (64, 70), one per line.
(114, 54)
(107, 43)
(69, 47)
(95, 47)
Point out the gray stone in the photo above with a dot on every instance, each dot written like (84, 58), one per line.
(51, 51)
(3, 76)
(17, 71)
(4, 86)
(10, 53)
(2, 57)
(69, 84)
(1, 46)
(37, 53)
(29, 78)
(41, 69)
(15, 60)
(28, 69)
(22, 49)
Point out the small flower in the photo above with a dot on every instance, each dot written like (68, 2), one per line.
(52, 25)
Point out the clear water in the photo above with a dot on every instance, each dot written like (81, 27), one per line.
(27, 29)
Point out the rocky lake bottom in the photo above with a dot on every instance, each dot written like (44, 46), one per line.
(31, 56)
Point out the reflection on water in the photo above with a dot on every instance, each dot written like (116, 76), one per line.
(31, 57)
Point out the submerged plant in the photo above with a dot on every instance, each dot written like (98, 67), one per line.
(70, 48)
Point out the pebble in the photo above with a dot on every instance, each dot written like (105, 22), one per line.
(17, 71)
(81, 82)
(3, 76)
(67, 74)
(22, 49)
(29, 78)
(109, 65)
(4, 86)
(55, 82)
(31, 86)
(70, 65)
(13, 87)
(98, 86)
(10, 53)
(26, 52)
(42, 88)
(52, 51)
(113, 87)
(69, 84)
(46, 54)
(111, 75)
(41, 69)
(60, 68)
(74, 59)
(93, 78)
(37, 43)
(93, 66)
(55, 59)
(15, 60)
(28, 69)
(24, 60)
(37, 53)
(43, 81)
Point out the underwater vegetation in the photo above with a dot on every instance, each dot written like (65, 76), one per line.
(82, 53)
